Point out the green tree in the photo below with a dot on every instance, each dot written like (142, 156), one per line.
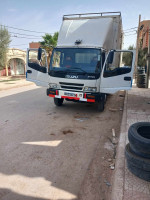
(127, 56)
(48, 43)
(142, 53)
(4, 44)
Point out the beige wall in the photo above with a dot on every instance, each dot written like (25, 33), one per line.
(16, 61)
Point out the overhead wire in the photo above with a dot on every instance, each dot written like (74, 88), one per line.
(131, 28)
(15, 36)
(130, 31)
(25, 34)
(130, 34)
(23, 29)
(27, 30)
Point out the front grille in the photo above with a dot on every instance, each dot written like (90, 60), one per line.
(71, 86)
(74, 88)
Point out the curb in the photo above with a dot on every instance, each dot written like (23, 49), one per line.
(119, 173)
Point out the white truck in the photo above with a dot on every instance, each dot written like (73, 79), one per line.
(87, 63)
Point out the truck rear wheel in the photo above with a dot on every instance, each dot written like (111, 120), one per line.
(58, 102)
(100, 105)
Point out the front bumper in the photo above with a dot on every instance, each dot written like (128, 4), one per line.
(72, 95)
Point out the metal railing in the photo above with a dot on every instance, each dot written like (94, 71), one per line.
(91, 15)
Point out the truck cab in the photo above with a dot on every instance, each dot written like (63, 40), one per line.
(86, 64)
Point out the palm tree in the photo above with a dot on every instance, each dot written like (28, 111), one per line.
(48, 43)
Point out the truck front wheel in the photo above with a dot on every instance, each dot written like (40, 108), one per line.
(58, 102)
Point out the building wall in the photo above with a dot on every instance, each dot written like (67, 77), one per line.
(143, 35)
(16, 60)
(34, 45)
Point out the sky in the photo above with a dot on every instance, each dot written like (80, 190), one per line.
(45, 16)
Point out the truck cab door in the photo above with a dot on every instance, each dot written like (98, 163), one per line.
(37, 70)
(117, 72)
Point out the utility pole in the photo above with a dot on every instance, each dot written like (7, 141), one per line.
(137, 46)
(148, 60)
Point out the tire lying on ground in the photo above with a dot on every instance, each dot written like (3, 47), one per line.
(142, 85)
(139, 138)
(141, 77)
(141, 81)
(145, 175)
(140, 70)
(142, 163)
(137, 165)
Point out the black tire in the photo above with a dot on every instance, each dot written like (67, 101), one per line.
(105, 98)
(141, 82)
(145, 175)
(137, 161)
(100, 105)
(139, 138)
(141, 74)
(141, 70)
(141, 85)
(58, 102)
(141, 78)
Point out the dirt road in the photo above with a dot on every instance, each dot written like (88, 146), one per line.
(55, 153)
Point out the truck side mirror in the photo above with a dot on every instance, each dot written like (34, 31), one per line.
(110, 57)
(39, 53)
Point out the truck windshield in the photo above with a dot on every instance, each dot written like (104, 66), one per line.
(80, 60)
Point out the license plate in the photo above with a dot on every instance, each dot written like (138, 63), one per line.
(69, 94)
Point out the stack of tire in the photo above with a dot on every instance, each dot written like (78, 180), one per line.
(141, 77)
(137, 151)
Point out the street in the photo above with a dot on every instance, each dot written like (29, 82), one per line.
(55, 153)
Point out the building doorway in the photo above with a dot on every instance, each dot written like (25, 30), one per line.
(16, 66)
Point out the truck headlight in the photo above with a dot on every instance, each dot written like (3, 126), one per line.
(53, 85)
(90, 89)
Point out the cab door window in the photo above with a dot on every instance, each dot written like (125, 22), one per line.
(34, 63)
(122, 64)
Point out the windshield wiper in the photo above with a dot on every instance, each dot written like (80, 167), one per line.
(71, 69)
(61, 72)
(80, 69)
